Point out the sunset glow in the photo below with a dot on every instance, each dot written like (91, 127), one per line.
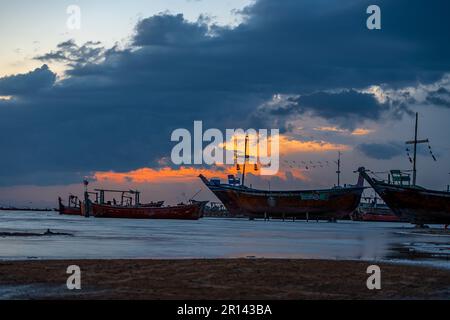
(356, 132)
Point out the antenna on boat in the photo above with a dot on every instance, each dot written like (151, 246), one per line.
(415, 142)
(245, 160)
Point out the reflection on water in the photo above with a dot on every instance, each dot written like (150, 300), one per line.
(217, 238)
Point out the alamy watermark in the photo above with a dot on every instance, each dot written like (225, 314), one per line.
(74, 20)
(374, 280)
(238, 146)
(74, 280)
(374, 20)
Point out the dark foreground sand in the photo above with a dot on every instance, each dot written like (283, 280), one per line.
(220, 279)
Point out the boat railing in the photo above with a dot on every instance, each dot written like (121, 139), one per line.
(399, 177)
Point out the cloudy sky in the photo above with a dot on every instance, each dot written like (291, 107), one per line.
(102, 101)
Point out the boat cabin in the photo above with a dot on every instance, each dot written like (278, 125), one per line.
(400, 178)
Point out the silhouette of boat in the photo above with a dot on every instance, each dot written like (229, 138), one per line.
(374, 211)
(334, 203)
(73, 207)
(329, 204)
(407, 200)
(131, 208)
(411, 202)
(191, 211)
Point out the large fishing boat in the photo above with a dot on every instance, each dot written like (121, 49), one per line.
(191, 211)
(407, 200)
(411, 202)
(329, 204)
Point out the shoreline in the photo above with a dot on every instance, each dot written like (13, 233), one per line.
(209, 279)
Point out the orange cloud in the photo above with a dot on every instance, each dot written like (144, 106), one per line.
(356, 132)
(182, 174)
(288, 146)
(361, 132)
(167, 174)
(162, 175)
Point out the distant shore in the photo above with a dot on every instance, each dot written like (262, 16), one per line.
(26, 209)
(220, 279)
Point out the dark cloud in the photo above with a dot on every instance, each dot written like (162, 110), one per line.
(117, 107)
(29, 83)
(440, 97)
(345, 108)
(70, 53)
(170, 30)
(381, 151)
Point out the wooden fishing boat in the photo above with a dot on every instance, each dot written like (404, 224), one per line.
(407, 200)
(376, 217)
(373, 211)
(411, 202)
(329, 204)
(73, 207)
(191, 211)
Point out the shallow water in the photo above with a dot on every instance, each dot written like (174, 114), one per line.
(217, 238)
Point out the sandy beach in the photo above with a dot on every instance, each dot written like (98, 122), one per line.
(219, 279)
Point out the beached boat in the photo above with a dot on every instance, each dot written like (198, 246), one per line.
(374, 211)
(406, 199)
(330, 204)
(130, 207)
(411, 202)
(191, 211)
(73, 207)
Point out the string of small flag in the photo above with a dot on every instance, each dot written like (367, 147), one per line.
(408, 155)
(307, 165)
(429, 150)
(292, 164)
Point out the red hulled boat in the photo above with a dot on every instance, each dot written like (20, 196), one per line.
(192, 211)
(406, 199)
(374, 211)
(330, 204)
(73, 207)
(411, 202)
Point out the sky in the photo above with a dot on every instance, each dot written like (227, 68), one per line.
(101, 102)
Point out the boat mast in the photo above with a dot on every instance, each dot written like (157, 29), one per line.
(86, 198)
(245, 160)
(415, 142)
(339, 168)
(448, 186)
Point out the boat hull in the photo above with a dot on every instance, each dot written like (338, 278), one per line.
(373, 217)
(414, 204)
(315, 204)
(182, 212)
(71, 211)
(371, 213)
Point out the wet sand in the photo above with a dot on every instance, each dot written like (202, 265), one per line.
(220, 279)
